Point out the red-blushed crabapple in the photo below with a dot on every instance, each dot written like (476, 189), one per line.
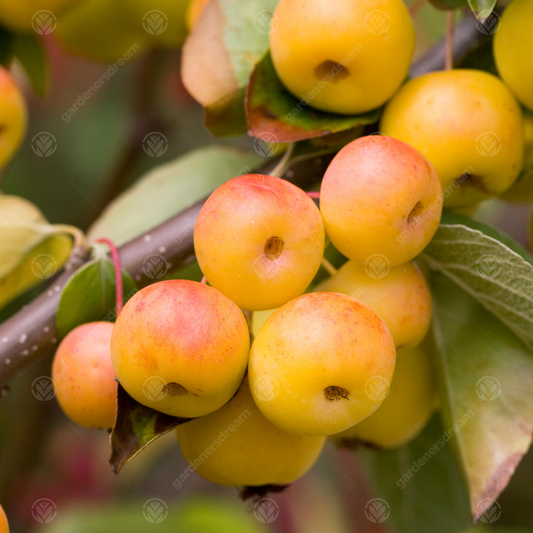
(180, 347)
(259, 240)
(84, 377)
(380, 198)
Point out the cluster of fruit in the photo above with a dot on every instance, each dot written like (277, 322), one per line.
(321, 363)
(467, 123)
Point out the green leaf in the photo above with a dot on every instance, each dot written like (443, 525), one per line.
(89, 295)
(135, 427)
(28, 49)
(485, 374)
(482, 8)
(272, 112)
(168, 189)
(489, 266)
(31, 250)
(419, 485)
(39, 264)
(221, 52)
(227, 118)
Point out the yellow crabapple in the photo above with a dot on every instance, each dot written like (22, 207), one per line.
(320, 364)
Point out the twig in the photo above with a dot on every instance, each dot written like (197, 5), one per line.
(328, 266)
(284, 163)
(466, 37)
(450, 25)
(118, 274)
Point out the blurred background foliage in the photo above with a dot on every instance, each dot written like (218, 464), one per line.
(99, 153)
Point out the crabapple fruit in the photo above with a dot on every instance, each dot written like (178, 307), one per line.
(13, 116)
(343, 57)
(469, 126)
(522, 189)
(322, 354)
(380, 197)
(401, 298)
(4, 525)
(101, 30)
(246, 448)
(259, 240)
(513, 50)
(84, 376)
(406, 409)
(180, 347)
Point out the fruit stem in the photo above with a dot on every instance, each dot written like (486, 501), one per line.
(283, 164)
(80, 240)
(313, 194)
(450, 27)
(249, 317)
(118, 272)
(328, 266)
(204, 280)
(415, 7)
